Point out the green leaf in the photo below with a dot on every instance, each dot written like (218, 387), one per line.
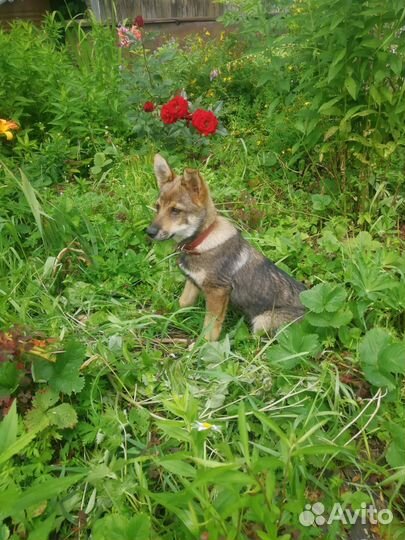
(9, 378)
(374, 342)
(393, 358)
(320, 449)
(351, 87)
(32, 200)
(294, 344)
(41, 370)
(45, 398)
(326, 107)
(378, 378)
(270, 423)
(30, 196)
(23, 441)
(381, 358)
(177, 466)
(324, 297)
(4, 532)
(395, 63)
(63, 416)
(8, 428)
(174, 430)
(375, 94)
(139, 527)
(223, 476)
(337, 64)
(119, 527)
(369, 278)
(99, 159)
(330, 132)
(320, 202)
(42, 529)
(66, 376)
(243, 432)
(334, 70)
(13, 502)
(325, 319)
(395, 455)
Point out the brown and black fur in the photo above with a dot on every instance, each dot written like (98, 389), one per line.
(224, 266)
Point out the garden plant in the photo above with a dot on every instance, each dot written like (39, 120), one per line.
(117, 419)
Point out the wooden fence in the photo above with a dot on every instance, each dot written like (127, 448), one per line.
(33, 10)
(157, 11)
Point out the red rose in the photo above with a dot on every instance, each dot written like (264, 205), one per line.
(167, 114)
(140, 23)
(205, 122)
(149, 106)
(180, 107)
(175, 109)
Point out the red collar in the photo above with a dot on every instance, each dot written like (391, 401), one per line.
(191, 246)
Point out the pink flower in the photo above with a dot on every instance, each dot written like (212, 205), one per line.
(127, 36)
(136, 32)
(124, 40)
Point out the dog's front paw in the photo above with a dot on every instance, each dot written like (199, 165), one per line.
(185, 301)
(189, 295)
(212, 334)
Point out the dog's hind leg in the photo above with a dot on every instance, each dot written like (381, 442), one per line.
(189, 295)
(216, 302)
(271, 320)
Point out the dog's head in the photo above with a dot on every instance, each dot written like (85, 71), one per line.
(183, 203)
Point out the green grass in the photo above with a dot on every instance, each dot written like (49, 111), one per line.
(286, 436)
(126, 424)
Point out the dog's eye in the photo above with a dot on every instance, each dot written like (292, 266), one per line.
(176, 211)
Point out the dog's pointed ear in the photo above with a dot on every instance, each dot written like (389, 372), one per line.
(163, 172)
(194, 183)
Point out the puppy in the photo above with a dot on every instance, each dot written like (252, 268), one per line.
(216, 260)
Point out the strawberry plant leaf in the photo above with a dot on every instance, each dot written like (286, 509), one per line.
(381, 358)
(393, 358)
(66, 376)
(294, 344)
(63, 416)
(375, 341)
(118, 527)
(45, 398)
(325, 319)
(324, 297)
(395, 455)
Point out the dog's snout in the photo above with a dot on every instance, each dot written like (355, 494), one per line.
(152, 230)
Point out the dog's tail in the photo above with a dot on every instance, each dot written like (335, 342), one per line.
(271, 320)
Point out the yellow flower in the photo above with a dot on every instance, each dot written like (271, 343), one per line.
(207, 33)
(5, 128)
